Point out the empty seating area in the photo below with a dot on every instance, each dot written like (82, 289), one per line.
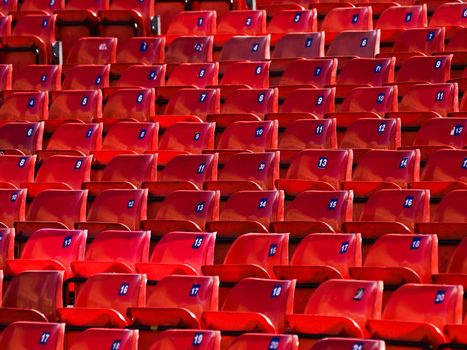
(233, 174)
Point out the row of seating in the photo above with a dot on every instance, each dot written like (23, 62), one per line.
(121, 300)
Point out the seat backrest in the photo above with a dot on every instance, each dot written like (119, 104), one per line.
(251, 341)
(246, 22)
(194, 74)
(144, 76)
(263, 249)
(272, 298)
(293, 21)
(137, 104)
(419, 253)
(13, 203)
(253, 74)
(129, 247)
(141, 50)
(372, 71)
(190, 137)
(323, 70)
(256, 101)
(92, 338)
(397, 166)
(185, 338)
(256, 136)
(87, 76)
(443, 132)
(436, 304)
(192, 248)
(76, 136)
(430, 69)
(261, 168)
(27, 335)
(193, 23)
(46, 6)
(92, 5)
(71, 170)
(355, 43)
(241, 48)
(113, 291)
(132, 136)
(424, 40)
(348, 343)
(93, 50)
(7, 243)
(403, 17)
(439, 98)
(337, 250)
(456, 42)
(16, 170)
(331, 207)
(299, 45)
(404, 206)
(306, 100)
(25, 106)
(37, 290)
(358, 300)
(450, 209)
(458, 262)
(446, 165)
(38, 77)
(341, 19)
(127, 207)
(449, 14)
(194, 293)
(41, 26)
(132, 168)
(196, 206)
(61, 245)
(65, 206)
(195, 168)
(197, 102)
(195, 49)
(26, 137)
(380, 100)
(331, 166)
(309, 134)
(373, 133)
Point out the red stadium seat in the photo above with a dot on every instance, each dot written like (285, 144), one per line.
(250, 341)
(299, 135)
(86, 77)
(6, 74)
(9, 6)
(14, 209)
(333, 343)
(21, 138)
(27, 335)
(142, 76)
(407, 322)
(196, 23)
(240, 22)
(166, 9)
(291, 21)
(113, 251)
(188, 137)
(42, 6)
(38, 77)
(93, 50)
(354, 44)
(179, 253)
(15, 170)
(199, 75)
(396, 19)
(103, 301)
(6, 245)
(194, 49)
(245, 75)
(456, 271)
(124, 339)
(241, 48)
(182, 338)
(449, 15)
(49, 249)
(141, 50)
(315, 211)
(25, 106)
(341, 19)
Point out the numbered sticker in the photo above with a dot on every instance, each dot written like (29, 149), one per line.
(309, 42)
(359, 294)
(84, 101)
(198, 47)
(43, 77)
(404, 162)
(439, 96)
(415, 244)
(45, 23)
(440, 295)
(44, 338)
(430, 36)
(381, 128)
(202, 97)
(319, 100)
(364, 42)
(140, 98)
(131, 203)
(98, 80)
(201, 73)
(142, 134)
(262, 166)
(197, 136)
(89, 133)
(200, 21)
(380, 98)
(464, 163)
(344, 247)
(354, 18)
(319, 129)
(408, 202)
(199, 207)
(438, 64)
(31, 102)
(274, 343)
(22, 162)
(248, 21)
(14, 197)
(297, 17)
(123, 289)
(408, 17)
(357, 346)
(198, 339)
(152, 75)
(255, 47)
(276, 291)
(263, 202)
(67, 241)
(29, 132)
(378, 68)
(143, 47)
(258, 70)
(272, 250)
(332, 204)
(201, 168)
(116, 345)
(261, 97)
(456, 130)
(195, 290)
(197, 242)
(78, 164)
(259, 131)
(464, 13)
(318, 71)
(322, 162)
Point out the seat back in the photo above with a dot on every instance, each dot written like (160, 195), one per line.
(256, 136)
(299, 45)
(25, 106)
(341, 19)
(306, 100)
(443, 132)
(241, 48)
(373, 133)
(195, 49)
(429, 69)
(38, 77)
(424, 40)
(309, 134)
(256, 101)
(194, 74)
(87, 76)
(293, 21)
(16, 170)
(449, 14)
(132, 168)
(197, 102)
(27, 335)
(380, 99)
(184, 338)
(136, 104)
(93, 50)
(458, 262)
(193, 23)
(324, 72)
(446, 165)
(450, 209)
(92, 338)
(246, 22)
(132, 136)
(251, 341)
(350, 343)
(403, 17)
(70, 170)
(355, 43)
(25, 137)
(141, 50)
(76, 136)
(371, 71)
(439, 98)
(253, 74)
(144, 76)
(190, 137)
